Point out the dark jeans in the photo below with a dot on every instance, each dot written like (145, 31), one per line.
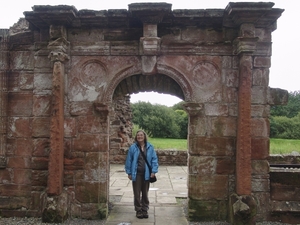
(140, 186)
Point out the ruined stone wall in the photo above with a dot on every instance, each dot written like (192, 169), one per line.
(69, 75)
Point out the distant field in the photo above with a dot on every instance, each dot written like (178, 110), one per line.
(277, 146)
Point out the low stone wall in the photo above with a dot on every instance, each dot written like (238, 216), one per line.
(285, 189)
(293, 158)
(165, 157)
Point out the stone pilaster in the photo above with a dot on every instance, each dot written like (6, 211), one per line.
(242, 203)
(246, 45)
(56, 209)
(58, 46)
(4, 67)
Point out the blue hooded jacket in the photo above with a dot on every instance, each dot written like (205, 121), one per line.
(131, 163)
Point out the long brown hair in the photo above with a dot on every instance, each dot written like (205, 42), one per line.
(145, 135)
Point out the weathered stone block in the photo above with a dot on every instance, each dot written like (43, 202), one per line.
(202, 165)
(43, 81)
(260, 77)
(19, 162)
(22, 60)
(41, 105)
(262, 62)
(260, 167)
(231, 77)
(86, 191)
(41, 127)
(260, 110)
(74, 163)
(277, 96)
(211, 146)
(259, 95)
(70, 127)
(260, 183)
(243, 209)
(86, 142)
(260, 127)
(41, 147)
(5, 176)
(264, 35)
(20, 104)
(212, 210)
(89, 124)
(40, 163)
(81, 108)
(19, 147)
(263, 205)
(216, 109)
(198, 126)
(68, 178)
(225, 165)
(56, 209)
(224, 126)
(260, 148)
(19, 127)
(22, 176)
(205, 187)
(15, 202)
(26, 81)
(15, 190)
(39, 178)
(226, 62)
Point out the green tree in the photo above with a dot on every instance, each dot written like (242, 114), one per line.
(289, 110)
(160, 120)
(284, 127)
(182, 121)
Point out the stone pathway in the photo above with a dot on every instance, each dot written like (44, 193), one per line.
(163, 195)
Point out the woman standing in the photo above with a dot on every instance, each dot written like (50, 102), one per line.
(139, 173)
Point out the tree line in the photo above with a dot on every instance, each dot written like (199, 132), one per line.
(172, 122)
(285, 120)
(160, 120)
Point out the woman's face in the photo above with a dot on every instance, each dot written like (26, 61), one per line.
(140, 137)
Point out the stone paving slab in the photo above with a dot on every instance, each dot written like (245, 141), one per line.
(164, 210)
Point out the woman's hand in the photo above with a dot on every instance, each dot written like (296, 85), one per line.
(130, 177)
(152, 175)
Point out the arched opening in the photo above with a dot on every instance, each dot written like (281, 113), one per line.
(172, 187)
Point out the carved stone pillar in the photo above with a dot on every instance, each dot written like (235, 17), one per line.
(58, 46)
(56, 209)
(4, 67)
(246, 45)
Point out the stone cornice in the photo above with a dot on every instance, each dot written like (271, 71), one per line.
(261, 14)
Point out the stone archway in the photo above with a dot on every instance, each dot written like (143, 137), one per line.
(65, 67)
(121, 126)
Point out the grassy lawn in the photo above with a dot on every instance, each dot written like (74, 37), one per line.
(277, 146)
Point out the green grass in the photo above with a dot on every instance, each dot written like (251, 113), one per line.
(277, 146)
(168, 143)
(284, 146)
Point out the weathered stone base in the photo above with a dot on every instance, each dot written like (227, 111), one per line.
(56, 209)
(207, 210)
(242, 209)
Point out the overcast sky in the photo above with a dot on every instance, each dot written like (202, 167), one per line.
(285, 69)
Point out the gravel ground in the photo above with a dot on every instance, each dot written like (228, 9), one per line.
(38, 221)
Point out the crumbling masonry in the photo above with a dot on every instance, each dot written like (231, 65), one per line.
(65, 73)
